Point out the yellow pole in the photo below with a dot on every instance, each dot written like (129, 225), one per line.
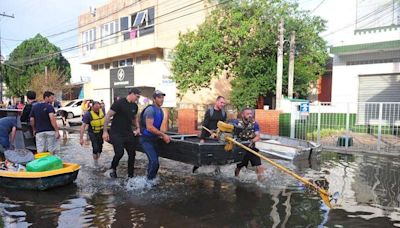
(323, 193)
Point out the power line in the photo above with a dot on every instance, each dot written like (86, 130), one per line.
(183, 9)
(104, 17)
(365, 17)
(40, 58)
(317, 6)
(74, 36)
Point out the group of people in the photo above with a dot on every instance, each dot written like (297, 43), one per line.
(42, 119)
(128, 130)
(247, 129)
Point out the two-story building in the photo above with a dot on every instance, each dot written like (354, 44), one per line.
(366, 66)
(128, 43)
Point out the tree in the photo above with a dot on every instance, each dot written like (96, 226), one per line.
(238, 40)
(30, 58)
(54, 81)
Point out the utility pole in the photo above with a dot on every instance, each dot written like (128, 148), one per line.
(291, 64)
(279, 70)
(1, 59)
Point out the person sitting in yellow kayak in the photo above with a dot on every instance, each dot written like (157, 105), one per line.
(94, 118)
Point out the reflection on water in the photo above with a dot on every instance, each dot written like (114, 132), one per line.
(369, 195)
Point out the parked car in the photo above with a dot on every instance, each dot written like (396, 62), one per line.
(71, 109)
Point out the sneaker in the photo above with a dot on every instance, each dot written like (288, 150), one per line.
(111, 173)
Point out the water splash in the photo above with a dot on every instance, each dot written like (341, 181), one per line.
(140, 184)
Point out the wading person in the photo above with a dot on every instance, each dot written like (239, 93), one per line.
(31, 95)
(8, 130)
(211, 118)
(150, 124)
(94, 121)
(249, 130)
(122, 134)
(44, 124)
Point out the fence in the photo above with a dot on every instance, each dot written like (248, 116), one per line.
(362, 126)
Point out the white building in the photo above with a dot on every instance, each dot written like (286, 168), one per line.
(366, 67)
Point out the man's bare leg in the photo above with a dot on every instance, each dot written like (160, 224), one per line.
(260, 170)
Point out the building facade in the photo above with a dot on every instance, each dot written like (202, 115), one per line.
(129, 43)
(366, 67)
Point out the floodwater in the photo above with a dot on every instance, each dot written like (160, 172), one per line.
(369, 188)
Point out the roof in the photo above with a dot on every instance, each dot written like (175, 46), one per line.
(393, 44)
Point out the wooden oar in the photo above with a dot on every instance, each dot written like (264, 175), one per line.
(209, 131)
(323, 193)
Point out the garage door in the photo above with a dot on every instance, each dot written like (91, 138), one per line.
(378, 88)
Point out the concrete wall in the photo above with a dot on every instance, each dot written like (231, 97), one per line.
(345, 78)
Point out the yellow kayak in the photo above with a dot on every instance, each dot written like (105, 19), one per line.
(40, 180)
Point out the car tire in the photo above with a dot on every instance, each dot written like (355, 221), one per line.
(70, 115)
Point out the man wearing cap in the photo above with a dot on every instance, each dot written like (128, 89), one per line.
(150, 124)
(122, 133)
(94, 118)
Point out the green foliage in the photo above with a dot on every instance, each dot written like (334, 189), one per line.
(30, 58)
(238, 40)
(325, 133)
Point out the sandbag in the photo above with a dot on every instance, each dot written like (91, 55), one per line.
(19, 156)
(47, 163)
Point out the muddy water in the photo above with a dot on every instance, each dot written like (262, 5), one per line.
(369, 188)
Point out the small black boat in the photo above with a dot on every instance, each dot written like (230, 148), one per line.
(188, 149)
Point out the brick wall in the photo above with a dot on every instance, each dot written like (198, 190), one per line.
(164, 125)
(268, 121)
(187, 121)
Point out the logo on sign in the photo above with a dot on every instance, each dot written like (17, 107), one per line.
(121, 74)
(304, 109)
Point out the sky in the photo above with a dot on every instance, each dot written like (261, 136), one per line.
(49, 17)
(42, 16)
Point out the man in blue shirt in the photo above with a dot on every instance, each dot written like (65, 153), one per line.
(8, 129)
(44, 124)
(249, 130)
(150, 124)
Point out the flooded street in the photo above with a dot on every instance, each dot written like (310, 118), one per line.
(369, 188)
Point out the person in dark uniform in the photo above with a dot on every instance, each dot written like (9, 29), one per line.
(212, 116)
(247, 129)
(122, 134)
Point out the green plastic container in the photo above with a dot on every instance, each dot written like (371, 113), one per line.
(44, 164)
(342, 141)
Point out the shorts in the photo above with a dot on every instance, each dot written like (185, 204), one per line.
(250, 157)
(46, 142)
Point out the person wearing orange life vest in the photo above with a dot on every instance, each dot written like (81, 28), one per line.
(94, 121)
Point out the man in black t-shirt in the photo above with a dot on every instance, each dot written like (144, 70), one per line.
(212, 116)
(122, 134)
(31, 95)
